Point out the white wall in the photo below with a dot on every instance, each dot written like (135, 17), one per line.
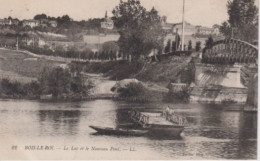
(100, 39)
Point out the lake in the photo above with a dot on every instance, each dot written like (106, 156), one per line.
(38, 130)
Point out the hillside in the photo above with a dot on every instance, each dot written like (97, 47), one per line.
(172, 69)
(17, 65)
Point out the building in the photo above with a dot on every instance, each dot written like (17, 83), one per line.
(31, 23)
(100, 38)
(167, 27)
(189, 28)
(216, 31)
(177, 87)
(53, 23)
(207, 30)
(108, 23)
(94, 42)
(15, 22)
(5, 21)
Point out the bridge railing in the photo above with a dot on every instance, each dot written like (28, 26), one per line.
(230, 51)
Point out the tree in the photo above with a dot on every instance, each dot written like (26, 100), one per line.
(190, 45)
(59, 81)
(66, 18)
(209, 42)
(140, 30)
(243, 20)
(64, 21)
(40, 16)
(174, 47)
(168, 46)
(198, 46)
(225, 29)
(109, 46)
(177, 41)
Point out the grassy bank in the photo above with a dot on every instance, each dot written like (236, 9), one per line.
(115, 70)
(155, 76)
(19, 66)
(172, 69)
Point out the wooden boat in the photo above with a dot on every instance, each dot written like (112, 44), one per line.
(118, 131)
(158, 125)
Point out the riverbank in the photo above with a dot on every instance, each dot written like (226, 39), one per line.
(172, 69)
(154, 76)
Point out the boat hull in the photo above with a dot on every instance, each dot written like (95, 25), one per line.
(163, 132)
(112, 131)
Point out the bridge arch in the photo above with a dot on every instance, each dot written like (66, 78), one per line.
(230, 51)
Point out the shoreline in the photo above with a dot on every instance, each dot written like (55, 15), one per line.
(133, 100)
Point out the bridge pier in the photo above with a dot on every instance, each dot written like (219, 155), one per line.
(218, 83)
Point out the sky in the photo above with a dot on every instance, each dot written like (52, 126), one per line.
(198, 12)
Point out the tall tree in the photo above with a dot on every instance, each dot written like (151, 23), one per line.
(209, 42)
(40, 16)
(243, 20)
(174, 46)
(190, 45)
(140, 30)
(198, 46)
(168, 46)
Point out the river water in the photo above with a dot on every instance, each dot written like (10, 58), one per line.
(213, 132)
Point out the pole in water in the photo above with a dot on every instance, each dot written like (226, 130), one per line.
(182, 40)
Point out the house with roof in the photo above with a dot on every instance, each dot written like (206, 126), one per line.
(5, 21)
(15, 21)
(53, 23)
(167, 27)
(95, 41)
(189, 28)
(31, 23)
(108, 23)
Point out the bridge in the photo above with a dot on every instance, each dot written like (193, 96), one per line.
(224, 71)
(230, 51)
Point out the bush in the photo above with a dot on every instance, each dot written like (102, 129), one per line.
(18, 90)
(59, 81)
(198, 46)
(135, 92)
(190, 45)
(168, 46)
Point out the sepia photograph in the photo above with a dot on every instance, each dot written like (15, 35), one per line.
(128, 79)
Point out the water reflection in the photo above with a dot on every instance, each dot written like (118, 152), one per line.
(214, 133)
(62, 122)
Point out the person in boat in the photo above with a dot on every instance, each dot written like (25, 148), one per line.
(169, 112)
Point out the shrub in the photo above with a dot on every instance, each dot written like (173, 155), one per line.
(190, 45)
(168, 46)
(198, 46)
(135, 92)
(16, 89)
(59, 81)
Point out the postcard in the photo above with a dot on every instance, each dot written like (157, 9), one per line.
(128, 79)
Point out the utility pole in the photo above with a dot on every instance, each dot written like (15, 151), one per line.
(182, 40)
